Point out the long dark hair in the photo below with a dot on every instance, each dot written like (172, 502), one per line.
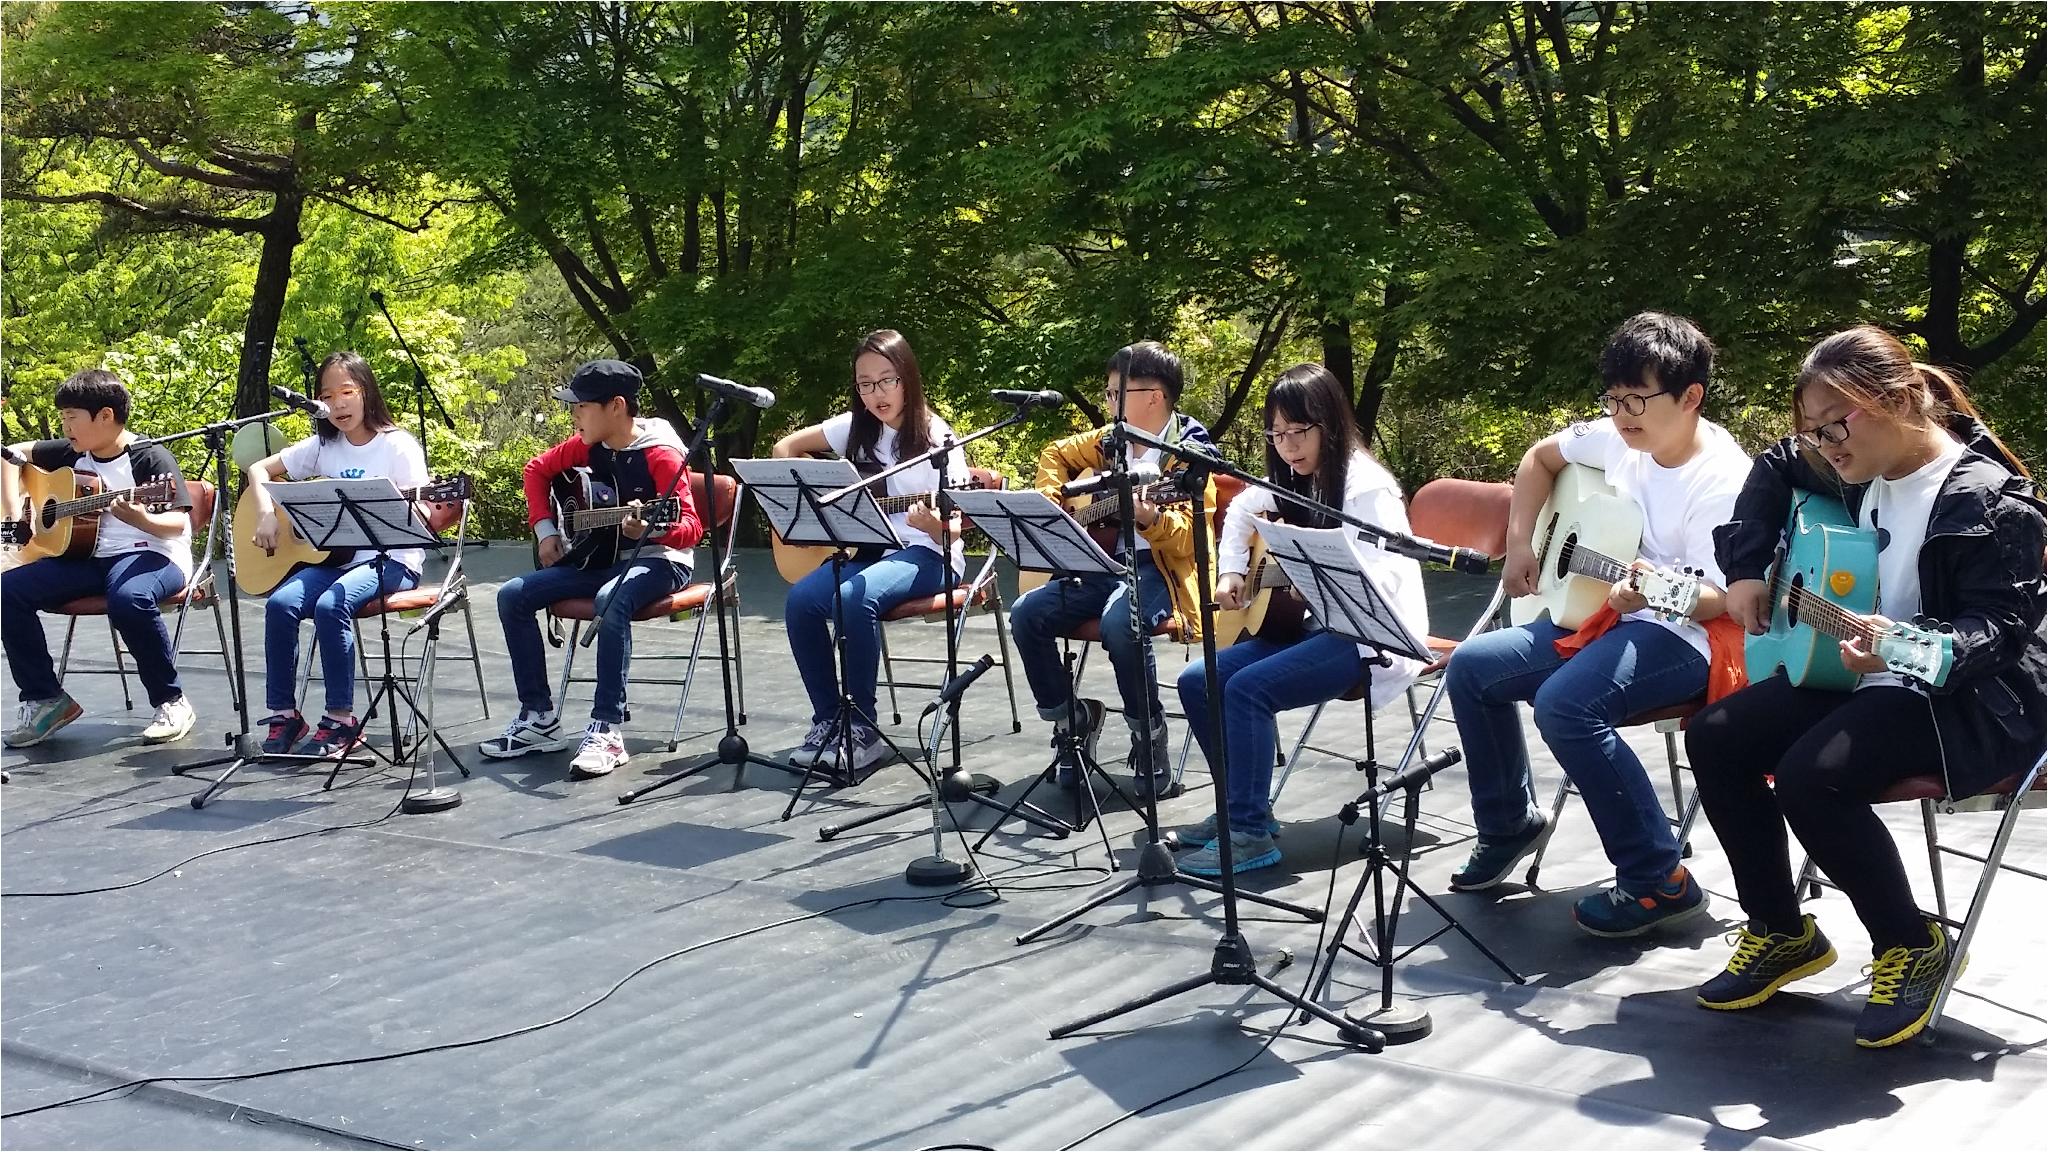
(914, 437)
(376, 414)
(1311, 394)
(1878, 375)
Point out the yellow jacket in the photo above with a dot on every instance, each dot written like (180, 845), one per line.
(1171, 536)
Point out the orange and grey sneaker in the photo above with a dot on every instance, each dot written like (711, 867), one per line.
(38, 720)
(1903, 984)
(1619, 912)
(1764, 963)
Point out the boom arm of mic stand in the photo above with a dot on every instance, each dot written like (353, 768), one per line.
(419, 374)
(926, 457)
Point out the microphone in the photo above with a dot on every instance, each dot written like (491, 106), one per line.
(957, 686)
(13, 457)
(305, 356)
(377, 297)
(1141, 474)
(731, 390)
(314, 408)
(1415, 774)
(1430, 552)
(1030, 399)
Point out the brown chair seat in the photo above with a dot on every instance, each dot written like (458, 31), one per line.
(916, 607)
(1935, 788)
(1090, 631)
(97, 605)
(410, 600)
(689, 599)
(1683, 713)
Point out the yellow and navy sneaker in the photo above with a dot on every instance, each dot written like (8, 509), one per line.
(1762, 964)
(1903, 984)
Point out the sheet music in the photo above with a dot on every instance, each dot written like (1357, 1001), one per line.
(383, 519)
(1033, 531)
(1328, 570)
(777, 486)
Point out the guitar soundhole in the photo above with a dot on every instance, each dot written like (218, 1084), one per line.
(1792, 601)
(1564, 555)
(48, 519)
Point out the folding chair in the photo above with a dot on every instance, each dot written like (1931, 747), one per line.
(980, 592)
(677, 606)
(199, 592)
(2008, 797)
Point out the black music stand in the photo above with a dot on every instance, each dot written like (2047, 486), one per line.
(1040, 536)
(363, 514)
(789, 493)
(1344, 599)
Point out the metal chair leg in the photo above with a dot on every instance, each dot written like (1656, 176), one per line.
(476, 660)
(120, 666)
(1009, 677)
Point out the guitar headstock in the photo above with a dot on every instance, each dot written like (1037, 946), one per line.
(1672, 593)
(14, 534)
(156, 495)
(452, 490)
(1924, 653)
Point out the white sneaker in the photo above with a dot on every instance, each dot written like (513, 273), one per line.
(603, 749)
(528, 732)
(815, 742)
(173, 720)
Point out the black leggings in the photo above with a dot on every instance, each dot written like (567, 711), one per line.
(1830, 754)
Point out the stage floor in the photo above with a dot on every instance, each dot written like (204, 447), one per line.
(788, 1014)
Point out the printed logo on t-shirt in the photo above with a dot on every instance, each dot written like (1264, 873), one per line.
(1581, 427)
(353, 474)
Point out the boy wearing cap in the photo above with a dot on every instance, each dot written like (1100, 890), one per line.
(641, 460)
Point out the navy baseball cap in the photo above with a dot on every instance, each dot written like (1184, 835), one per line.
(599, 381)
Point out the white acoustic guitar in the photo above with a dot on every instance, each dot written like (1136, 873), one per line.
(1586, 539)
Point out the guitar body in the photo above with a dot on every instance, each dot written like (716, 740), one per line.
(1829, 555)
(259, 572)
(1583, 510)
(50, 535)
(796, 561)
(576, 493)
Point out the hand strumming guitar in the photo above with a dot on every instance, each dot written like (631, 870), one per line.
(1230, 591)
(551, 550)
(266, 531)
(1747, 601)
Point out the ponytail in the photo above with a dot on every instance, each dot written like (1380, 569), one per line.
(1945, 398)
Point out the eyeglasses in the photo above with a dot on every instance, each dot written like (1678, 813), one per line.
(1110, 391)
(1289, 437)
(332, 394)
(1633, 403)
(1832, 432)
(886, 384)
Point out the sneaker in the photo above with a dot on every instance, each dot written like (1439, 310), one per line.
(603, 750)
(1618, 912)
(1492, 860)
(1157, 781)
(1067, 770)
(1190, 836)
(1763, 964)
(283, 732)
(38, 720)
(815, 742)
(1248, 852)
(174, 718)
(869, 748)
(333, 738)
(528, 732)
(1903, 985)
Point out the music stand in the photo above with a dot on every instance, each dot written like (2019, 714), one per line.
(1343, 597)
(1040, 536)
(366, 514)
(790, 494)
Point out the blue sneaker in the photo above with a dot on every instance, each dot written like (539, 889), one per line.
(1492, 860)
(332, 739)
(1248, 852)
(1618, 912)
(1188, 837)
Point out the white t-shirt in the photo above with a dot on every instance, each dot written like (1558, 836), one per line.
(392, 453)
(1681, 506)
(921, 479)
(149, 462)
(1897, 510)
(1373, 495)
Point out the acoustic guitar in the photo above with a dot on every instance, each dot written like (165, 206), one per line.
(588, 513)
(259, 570)
(1822, 582)
(1265, 585)
(60, 511)
(1098, 514)
(1586, 540)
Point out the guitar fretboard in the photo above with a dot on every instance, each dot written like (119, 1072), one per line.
(587, 518)
(1103, 509)
(1822, 613)
(1586, 562)
(97, 502)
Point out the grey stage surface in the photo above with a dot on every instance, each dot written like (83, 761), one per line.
(903, 1024)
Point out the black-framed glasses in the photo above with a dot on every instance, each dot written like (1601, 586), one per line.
(1633, 403)
(885, 384)
(1832, 432)
(1288, 437)
(1111, 391)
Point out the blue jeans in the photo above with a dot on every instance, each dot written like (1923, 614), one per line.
(331, 597)
(1261, 679)
(1635, 667)
(624, 589)
(867, 589)
(133, 583)
(1041, 616)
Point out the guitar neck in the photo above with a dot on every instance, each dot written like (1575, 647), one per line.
(1586, 562)
(97, 502)
(1826, 616)
(1104, 509)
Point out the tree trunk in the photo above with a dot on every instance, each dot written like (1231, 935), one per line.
(1339, 356)
(266, 303)
(1379, 370)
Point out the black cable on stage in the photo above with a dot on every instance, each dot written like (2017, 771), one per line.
(1322, 933)
(409, 781)
(946, 898)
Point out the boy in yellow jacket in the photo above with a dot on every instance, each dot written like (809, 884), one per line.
(1166, 569)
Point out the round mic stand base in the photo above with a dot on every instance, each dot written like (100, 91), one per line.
(937, 872)
(1399, 1022)
(432, 800)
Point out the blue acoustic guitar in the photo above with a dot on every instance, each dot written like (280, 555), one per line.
(1821, 585)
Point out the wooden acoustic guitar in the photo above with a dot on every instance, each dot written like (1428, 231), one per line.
(588, 513)
(1098, 514)
(796, 561)
(60, 511)
(259, 570)
(1266, 587)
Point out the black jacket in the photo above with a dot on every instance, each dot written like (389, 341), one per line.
(1980, 573)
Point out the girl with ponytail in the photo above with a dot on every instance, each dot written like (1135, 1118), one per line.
(1960, 549)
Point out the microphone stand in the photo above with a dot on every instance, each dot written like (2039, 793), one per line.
(953, 785)
(421, 390)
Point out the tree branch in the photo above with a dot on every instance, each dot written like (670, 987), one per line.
(379, 217)
(161, 213)
(183, 171)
